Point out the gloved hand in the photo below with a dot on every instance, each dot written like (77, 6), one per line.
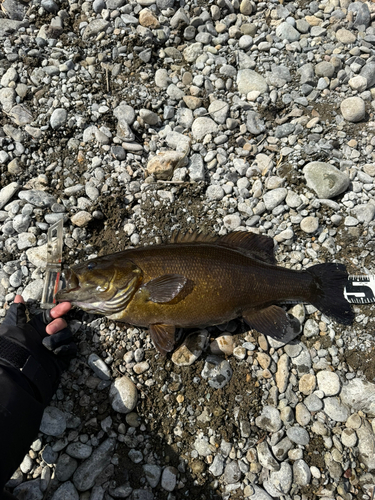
(41, 348)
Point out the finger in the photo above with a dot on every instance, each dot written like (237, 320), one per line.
(60, 309)
(56, 325)
(18, 299)
(16, 315)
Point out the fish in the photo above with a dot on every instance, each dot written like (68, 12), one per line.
(197, 281)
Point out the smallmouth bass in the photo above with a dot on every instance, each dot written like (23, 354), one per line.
(198, 281)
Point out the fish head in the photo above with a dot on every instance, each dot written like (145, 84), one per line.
(101, 285)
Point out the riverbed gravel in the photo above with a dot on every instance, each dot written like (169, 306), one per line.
(130, 120)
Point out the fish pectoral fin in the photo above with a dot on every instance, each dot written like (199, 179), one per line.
(163, 337)
(273, 321)
(165, 288)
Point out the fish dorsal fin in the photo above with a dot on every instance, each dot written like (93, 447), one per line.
(163, 337)
(192, 237)
(165, 288)
(258, 246)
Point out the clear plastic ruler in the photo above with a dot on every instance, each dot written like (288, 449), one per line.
(52, 282)
(360, 289)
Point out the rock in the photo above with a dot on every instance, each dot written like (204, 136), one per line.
(81, 218)
(162, 165)
(366, 444)
(368, 72)
(219, 110)
(37, 256)
(123, 395)
(274, 198)
(65, 467)
(53, 422)
(7, 192)
(37, 198)
(217, 371)
(301, 473)
(359, 395)
(58, 118)
(33, 291)
(99, 367)
(215, 192)
(190, 349)
(309, 225)
(361, 14)
(353, 109)
(232, 473)
(21, 115)
(285, 31)
(282, 374)
(79, 450)
(298, 435)
(196, 168)
(328, 382)
(152, 473)
(345, 36)
(94, 27)
(335, 409)
(265, 457)
(326, 180)
(86, 474)
(249, 80)
(169, 478)
(254, 123)
(279, 482)
(29, 490)
(203, 126)
(269, 419)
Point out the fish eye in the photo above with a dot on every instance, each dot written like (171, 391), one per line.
(91, 265)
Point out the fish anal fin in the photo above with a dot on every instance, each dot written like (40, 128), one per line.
(254, 245)
(163, 337)
(165, 288)
(273, 321)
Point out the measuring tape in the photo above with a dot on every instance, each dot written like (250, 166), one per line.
(360, 289)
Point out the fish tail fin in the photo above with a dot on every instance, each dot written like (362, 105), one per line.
(327, 291)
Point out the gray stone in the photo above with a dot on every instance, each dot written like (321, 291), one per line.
(366, 444)
(152, 473)
(29, 490)
(301, 473)
(336, 410)
(285, 31)
(99, 367)
(7, 99)
(203, 126)
(232, 473)
(328, 382)
(269, 419)
(279, 482)
(215, 192)
(169, 478)
(217, 372)
(86, 474)
(359, 395)
(53, 421)
(219, 110)
(265, 457)
(217, 466)
(362, 16)
(274, 198)
(249, 80)
(123, 395)
(94, 27)
(196, 168)
(298, 435)
(368, 72)
(325, 179)
(79, 450)
(65, 467)
(353, 109)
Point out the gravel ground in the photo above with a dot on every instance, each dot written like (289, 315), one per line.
(130, 120)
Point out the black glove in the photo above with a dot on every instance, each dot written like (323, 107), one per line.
(40, 357)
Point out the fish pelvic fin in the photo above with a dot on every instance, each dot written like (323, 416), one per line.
(327, 292)
(163, 337)
(273, 321)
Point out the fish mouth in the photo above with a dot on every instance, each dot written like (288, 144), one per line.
(71, 285)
